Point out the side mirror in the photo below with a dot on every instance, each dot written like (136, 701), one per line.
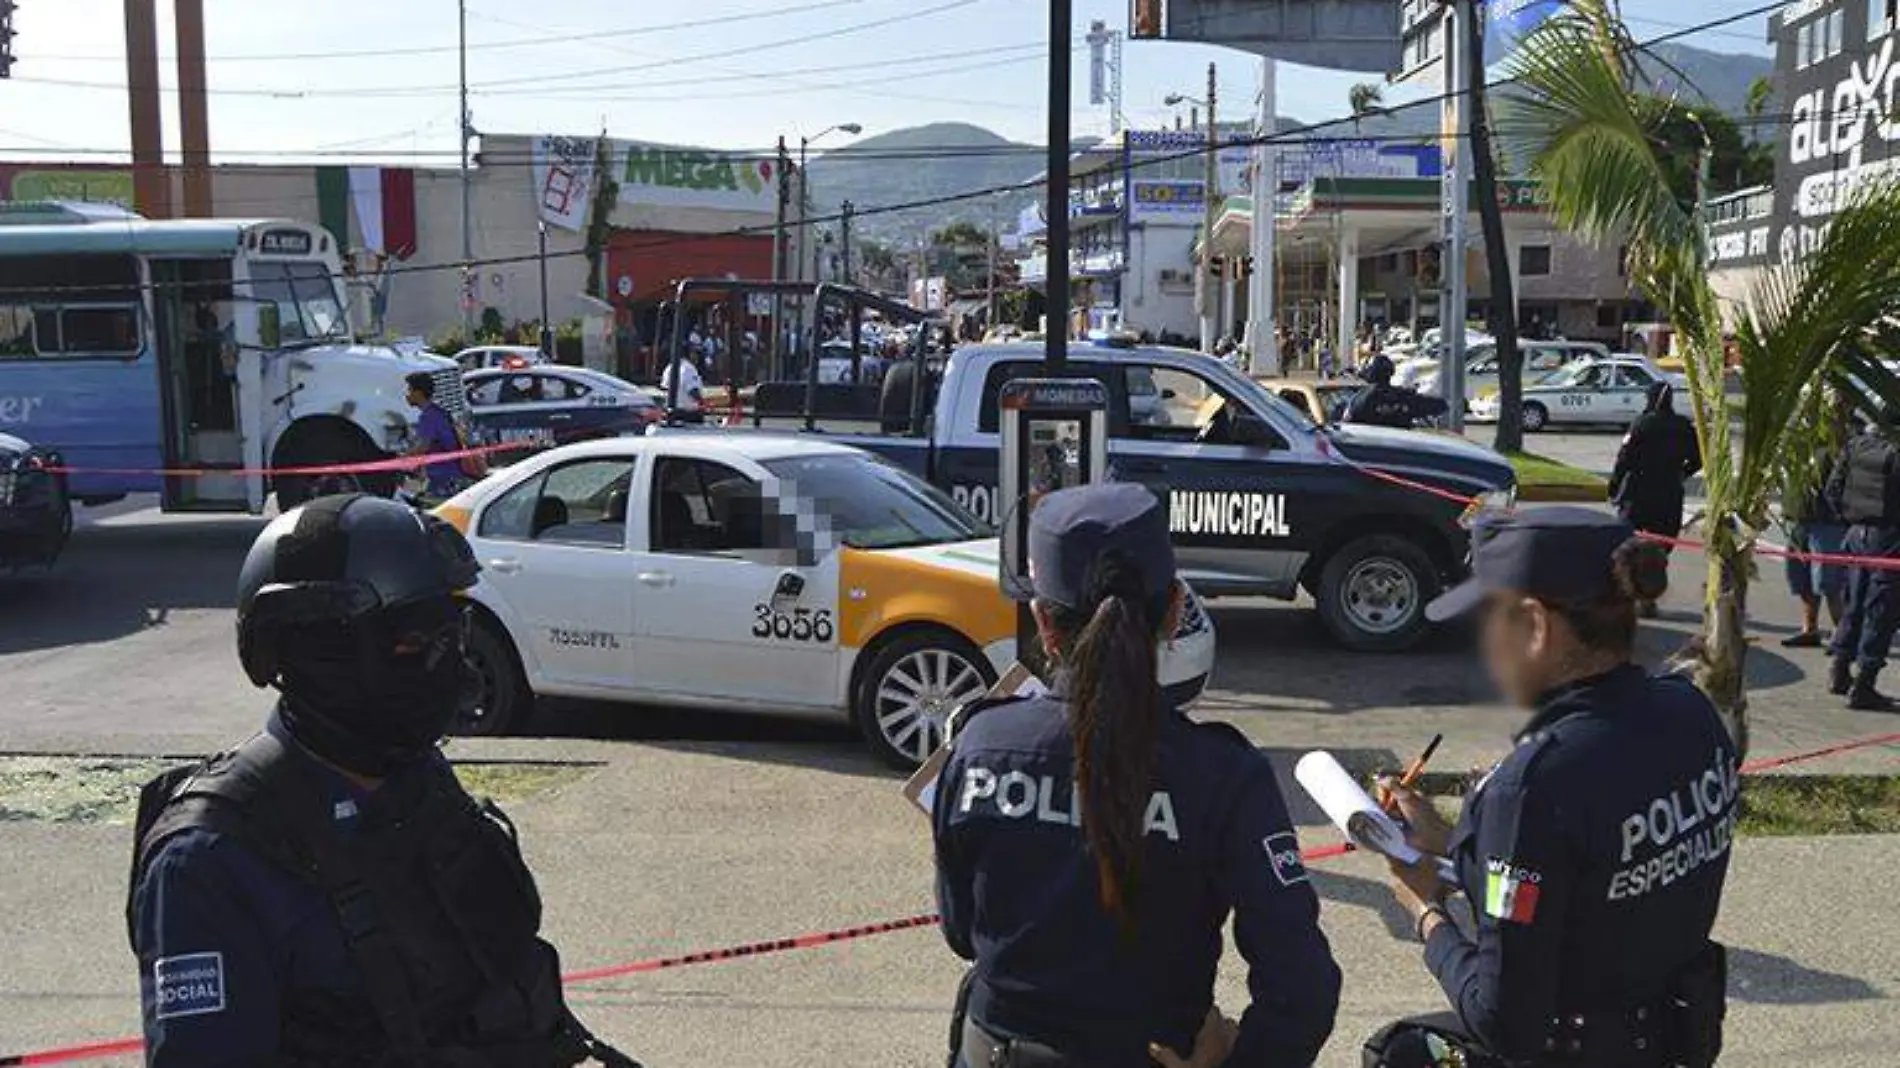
(270, 330)
(1250, 429)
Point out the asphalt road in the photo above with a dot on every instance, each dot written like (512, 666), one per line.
(693, 831)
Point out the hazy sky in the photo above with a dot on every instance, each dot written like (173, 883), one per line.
(292, 76)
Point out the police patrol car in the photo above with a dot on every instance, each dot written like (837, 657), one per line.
(743, 571)
(1608, 390)
(1261, 500)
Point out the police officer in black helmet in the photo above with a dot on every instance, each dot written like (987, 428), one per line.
(326, 893)
(1591, 859)
(1383, 404)
(1092, 842)
(1864, 489)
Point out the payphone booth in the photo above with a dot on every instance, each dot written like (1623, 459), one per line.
(1055, 435)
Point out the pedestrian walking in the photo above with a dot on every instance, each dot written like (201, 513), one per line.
(1658, 454)
(326, 893)
(1864, 489)
(1814, 526)
(435, 434)
(1092, 842)
(1592, 859)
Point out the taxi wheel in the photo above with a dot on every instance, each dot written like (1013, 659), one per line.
(1372, 593)
(1536, 416)
(913, 683)
(497, 696)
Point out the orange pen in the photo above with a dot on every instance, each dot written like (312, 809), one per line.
(1412, 772)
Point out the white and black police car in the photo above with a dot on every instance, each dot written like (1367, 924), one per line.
(550, 405)
(744, 571)
(1262, 501)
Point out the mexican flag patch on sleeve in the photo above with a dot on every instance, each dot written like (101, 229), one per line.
(1510, 891)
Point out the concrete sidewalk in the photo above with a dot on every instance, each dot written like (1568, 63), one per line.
(684, 847)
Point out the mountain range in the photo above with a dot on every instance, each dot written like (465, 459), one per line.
(938, 161)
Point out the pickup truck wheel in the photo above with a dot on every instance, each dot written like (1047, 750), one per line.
(908, 691)
(1536, 416)
(497, 695)
(1373, 591)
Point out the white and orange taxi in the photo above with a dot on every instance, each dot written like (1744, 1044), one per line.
(744, 571)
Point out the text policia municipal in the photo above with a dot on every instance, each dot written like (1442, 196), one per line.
(1679, 832)
(1212, 512)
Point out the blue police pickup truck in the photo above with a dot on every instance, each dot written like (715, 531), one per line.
(1262, 501)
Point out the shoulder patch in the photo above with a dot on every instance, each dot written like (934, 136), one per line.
(191, 984)
(1283, 855)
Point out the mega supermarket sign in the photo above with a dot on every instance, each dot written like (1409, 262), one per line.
(676, 177)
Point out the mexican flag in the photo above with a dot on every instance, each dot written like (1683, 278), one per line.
(1510, 893)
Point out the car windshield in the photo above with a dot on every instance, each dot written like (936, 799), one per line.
(873, 505)
(1575, 375)
(305, 296)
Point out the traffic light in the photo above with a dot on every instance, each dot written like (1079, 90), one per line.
(6, 38)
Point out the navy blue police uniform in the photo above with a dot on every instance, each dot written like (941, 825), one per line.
(1865, 490)
(1592, 857)
(1055, 981)
(284, 912)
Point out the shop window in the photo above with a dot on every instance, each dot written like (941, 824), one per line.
(1533, 260)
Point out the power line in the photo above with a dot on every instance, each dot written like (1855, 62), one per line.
(860, 213)
(427, 50)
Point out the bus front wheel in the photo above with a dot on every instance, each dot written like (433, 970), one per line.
(322, 446)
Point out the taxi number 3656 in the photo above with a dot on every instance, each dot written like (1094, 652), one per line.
(798, 625)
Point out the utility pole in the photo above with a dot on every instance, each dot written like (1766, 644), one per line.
(778, 259)
(1209, 299)
(468, 222)
(1510, 432)
(1055, 339)
(990, 279)
(1456, 206)
(1263, 346)
(547, 328)
(844, 244)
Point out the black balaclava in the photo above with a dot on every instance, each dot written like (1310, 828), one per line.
(1379, 371)
(352, 698)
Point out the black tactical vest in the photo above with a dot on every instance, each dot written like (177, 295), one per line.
(1868, 494)
(439, 912)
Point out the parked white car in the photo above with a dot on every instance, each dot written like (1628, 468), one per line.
(1607, 390)
(1481, 365)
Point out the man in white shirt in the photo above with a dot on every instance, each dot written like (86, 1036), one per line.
(692, 387)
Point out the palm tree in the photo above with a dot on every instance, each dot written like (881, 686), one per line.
(1365, 99)
(1589, 136)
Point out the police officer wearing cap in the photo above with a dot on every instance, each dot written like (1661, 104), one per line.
(1591, 859)
(326, 893)
(1091, 842)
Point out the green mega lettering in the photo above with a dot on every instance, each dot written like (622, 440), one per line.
(680, 168)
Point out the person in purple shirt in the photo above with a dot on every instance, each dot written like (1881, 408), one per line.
(435, 433)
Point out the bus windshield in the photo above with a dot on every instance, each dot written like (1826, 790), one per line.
(305, 295)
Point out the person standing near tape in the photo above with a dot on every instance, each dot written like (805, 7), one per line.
(326, 893)
(1092, 842)
(435, 435)
(1864, 489)
(1592, 858)
(1658, 454)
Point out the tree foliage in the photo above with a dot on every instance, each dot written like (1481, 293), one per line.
(1601, 148)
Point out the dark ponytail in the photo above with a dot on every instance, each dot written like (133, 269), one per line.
(1114, 720)
(1639, 571)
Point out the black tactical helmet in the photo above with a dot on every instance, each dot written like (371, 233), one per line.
(341, 560)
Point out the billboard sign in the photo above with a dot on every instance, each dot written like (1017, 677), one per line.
(670, 176)
(1177, 201)
(562, 169)
(1356, 35)
(1301, 162)
(79, 184)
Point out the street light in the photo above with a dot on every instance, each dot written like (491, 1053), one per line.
(804, 204)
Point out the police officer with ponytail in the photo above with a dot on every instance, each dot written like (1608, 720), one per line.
(326, 894)
(1591, 859)
(1092, 842)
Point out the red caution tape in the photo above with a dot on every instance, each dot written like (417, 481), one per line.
(393, 463)
(67, 1054)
